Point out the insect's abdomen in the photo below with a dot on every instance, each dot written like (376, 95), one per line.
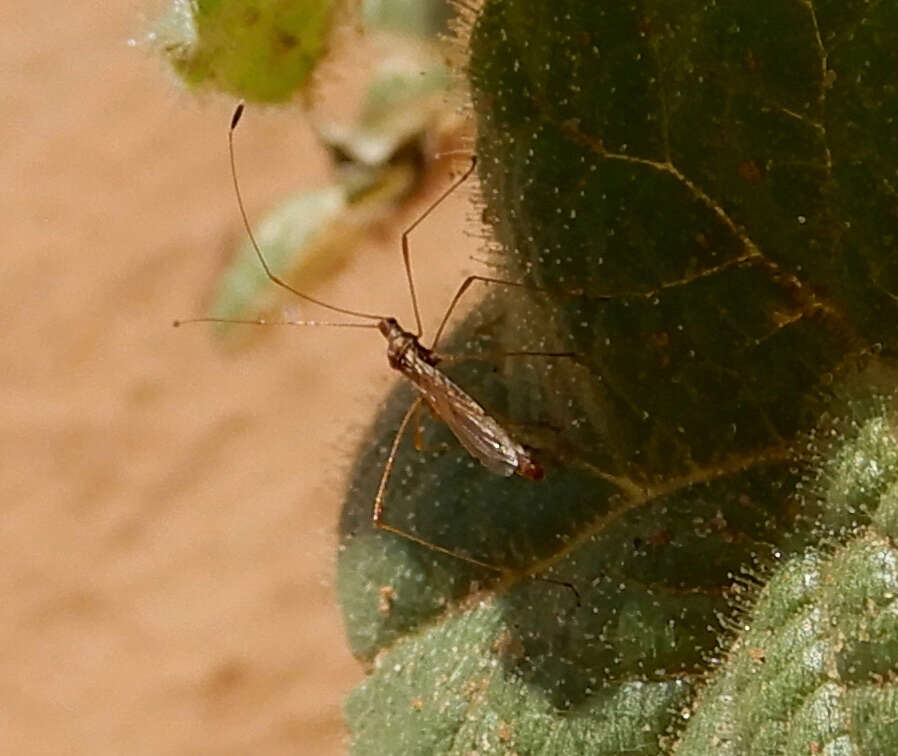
(529, 468)
(480, 433)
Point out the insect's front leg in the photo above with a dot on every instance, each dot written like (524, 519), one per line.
(497, 355)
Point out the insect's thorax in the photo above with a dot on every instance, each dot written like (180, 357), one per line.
(404, 351)
(478, 432)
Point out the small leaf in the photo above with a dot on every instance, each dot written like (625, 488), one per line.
(424, 18)
(262, 51)
(282, 235)
(405, 101)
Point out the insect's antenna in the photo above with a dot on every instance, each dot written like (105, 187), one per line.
(235, 119)
(405, 250)
(264, 322)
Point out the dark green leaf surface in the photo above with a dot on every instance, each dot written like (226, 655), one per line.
(717, 180)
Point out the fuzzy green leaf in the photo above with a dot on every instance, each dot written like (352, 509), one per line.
(717, 182)
(813, 669)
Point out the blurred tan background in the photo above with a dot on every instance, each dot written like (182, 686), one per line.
(168, 508)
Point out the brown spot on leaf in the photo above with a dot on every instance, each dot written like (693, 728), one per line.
(750, 171)
(385, 597)
(509, 646)
(659, 537)
(756, 653)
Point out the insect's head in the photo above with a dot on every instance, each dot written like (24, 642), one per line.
(390, 328)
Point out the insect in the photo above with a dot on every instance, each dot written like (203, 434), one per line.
(477, 431)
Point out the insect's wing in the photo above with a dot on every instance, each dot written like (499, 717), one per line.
(480, 434)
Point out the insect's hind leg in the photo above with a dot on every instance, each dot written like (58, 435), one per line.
(420, 445)
(378, 513)
(378, 509)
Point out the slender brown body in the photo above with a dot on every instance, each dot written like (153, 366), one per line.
(481, 434)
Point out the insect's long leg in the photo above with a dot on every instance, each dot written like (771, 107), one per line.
(420, 445)
(378, 512)
(452, 359)
(419, 441)
(465, 285)
(406, 256)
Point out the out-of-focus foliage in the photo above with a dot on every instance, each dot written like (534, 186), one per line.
(263, 50)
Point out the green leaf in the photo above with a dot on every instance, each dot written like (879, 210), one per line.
(262, 50)
(718, 182)
(478, 702)
(814, 668)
